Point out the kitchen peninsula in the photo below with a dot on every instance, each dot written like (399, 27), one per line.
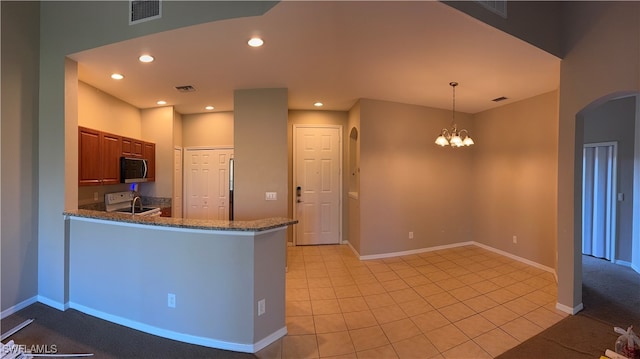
(219, 284)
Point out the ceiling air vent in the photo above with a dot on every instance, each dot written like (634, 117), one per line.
(497, 6)
(498, 99)
(187, 88)
(144, 10)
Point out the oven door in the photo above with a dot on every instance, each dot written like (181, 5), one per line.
(133, 170)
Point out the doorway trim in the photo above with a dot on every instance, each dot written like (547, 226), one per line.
(294, 176)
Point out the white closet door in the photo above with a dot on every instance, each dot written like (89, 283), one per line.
(598, 199)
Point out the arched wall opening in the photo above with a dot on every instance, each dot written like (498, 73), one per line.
(614, 117)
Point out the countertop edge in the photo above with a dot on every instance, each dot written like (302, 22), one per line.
(258, 225)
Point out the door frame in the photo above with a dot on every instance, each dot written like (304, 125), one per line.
(184, 154)
(613, 222)
(294, 177)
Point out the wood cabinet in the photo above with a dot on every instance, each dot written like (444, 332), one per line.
(111, 149)
(99, 156)
(149, 153)
(132, 147)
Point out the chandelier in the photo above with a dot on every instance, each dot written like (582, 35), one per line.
(454, 137)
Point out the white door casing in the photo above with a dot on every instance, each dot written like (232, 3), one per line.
(206, 175)
(317, 191)
(176, 203)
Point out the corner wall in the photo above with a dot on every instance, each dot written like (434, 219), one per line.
(602, 45)
(19, 153)
(514, 178)
(260, 152)
(408, 183)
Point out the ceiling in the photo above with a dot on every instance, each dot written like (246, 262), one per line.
(333, 52)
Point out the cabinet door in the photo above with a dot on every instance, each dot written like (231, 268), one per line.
(132, 147)
(149, 153)
(89, 157)
(126, 147)
(111, 150)
(137, 148)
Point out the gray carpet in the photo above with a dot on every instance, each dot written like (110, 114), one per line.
(611, 298)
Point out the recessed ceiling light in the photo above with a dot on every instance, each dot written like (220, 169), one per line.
(117, 76)
(318, 104)
(255, 42)
(161, 102)
(146, 58)
(209, 108)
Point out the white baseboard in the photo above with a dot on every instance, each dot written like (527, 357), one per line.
(569, 310)
(13, 309)
(52, 303)
(186, 338)
(269, 339)
(413, 251)
(517, 258)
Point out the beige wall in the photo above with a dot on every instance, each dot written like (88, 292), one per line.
(101, 111)
(19, 154)
(157, 127)
(177, 129)
(514, 178)
(602, 60)
(208, 129)
(260, 152)
(407, 183)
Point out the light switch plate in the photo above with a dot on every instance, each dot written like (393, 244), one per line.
(270, 196)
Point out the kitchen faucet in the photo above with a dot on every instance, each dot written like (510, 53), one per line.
(133, 204)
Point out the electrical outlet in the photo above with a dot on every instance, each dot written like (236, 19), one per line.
(515, 239)
(261, 307)
(410, 235)
(270, 196)
(95, 196)
(171, 300)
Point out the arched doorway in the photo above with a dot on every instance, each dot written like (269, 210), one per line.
(612, 118)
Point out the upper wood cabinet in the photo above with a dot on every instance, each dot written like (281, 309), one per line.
(89, 157)
(99, 156)
(149, 153)
(132, 147)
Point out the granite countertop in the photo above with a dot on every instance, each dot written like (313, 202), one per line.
(247, 226)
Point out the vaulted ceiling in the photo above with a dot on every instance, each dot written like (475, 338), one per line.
(333, 52)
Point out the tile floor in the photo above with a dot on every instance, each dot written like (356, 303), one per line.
(463, 302)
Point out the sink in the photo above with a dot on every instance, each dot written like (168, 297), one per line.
(137, 209)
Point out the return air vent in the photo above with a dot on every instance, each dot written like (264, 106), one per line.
(498, 99)
(187, 88)
(144, 10)
(497, 6)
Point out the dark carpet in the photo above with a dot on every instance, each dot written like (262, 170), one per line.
(74, 332)
(611, 298)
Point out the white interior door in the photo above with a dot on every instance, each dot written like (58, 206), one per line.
(207, 183)
(176, 203)
(317, 184)
(598, 199)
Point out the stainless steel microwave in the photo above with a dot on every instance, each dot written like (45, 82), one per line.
(133, 170)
